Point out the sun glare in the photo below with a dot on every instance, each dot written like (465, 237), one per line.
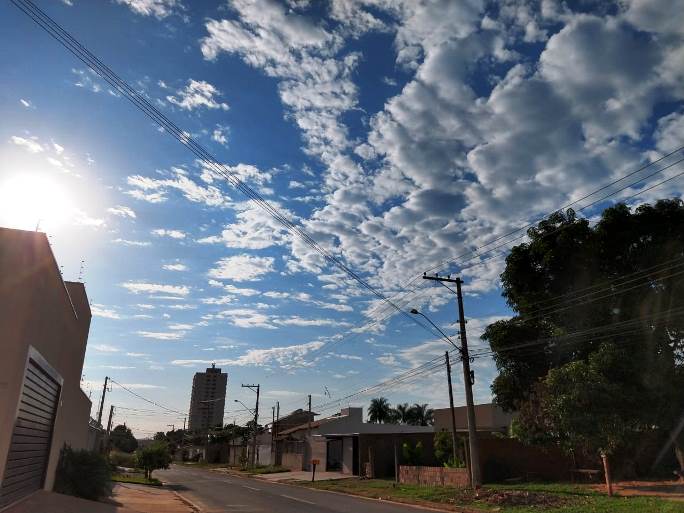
(32, 201)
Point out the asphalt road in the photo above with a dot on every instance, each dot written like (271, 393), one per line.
(219, 493)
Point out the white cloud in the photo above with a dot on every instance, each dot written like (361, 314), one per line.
(154, 190)
(157, 8)
(180, 327)
(105, 348)
(241, 268)
(181, 307)
(137, 287)
(160, 335)
(286, 357)
(31, 145)
(138, 355)
(26, 103)
(127, 242)
(142, 386)
(122, 211)
(103, 311)
(175, 267)
(81, 218)
(196, 94)
(174, 234)
(220, 135)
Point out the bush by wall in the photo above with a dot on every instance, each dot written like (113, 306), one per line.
(122, 459)
(83, 474)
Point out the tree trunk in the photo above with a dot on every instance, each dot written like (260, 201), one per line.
(679, 453)
(606, 470)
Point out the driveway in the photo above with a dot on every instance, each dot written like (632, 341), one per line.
(214, 492)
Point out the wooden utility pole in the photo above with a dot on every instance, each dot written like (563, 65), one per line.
(102, 400)
(451, 406)
(475, 473)
(277, 431)
(308, 446)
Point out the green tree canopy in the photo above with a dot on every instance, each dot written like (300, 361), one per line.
(122, 438)
(595, 353)
(380, 411)
(153, 457)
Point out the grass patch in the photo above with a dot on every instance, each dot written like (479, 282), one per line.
(523, 498)
(267, 469)
(135, 478)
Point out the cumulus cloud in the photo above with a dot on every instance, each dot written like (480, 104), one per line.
(29, 144)
(175, 267)
(242, 268)
(162, 335)
(285, 357)
(102, 311)
(105, 348)
(157, 8)
(122, 211)
(196, 94)
(128, 242)
(174, 234)
(137, 287)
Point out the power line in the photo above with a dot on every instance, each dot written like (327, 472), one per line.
(150, 401)
(83, 54)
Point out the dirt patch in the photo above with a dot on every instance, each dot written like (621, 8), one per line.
(672, 490)
(521, 498)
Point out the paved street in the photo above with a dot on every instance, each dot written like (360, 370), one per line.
(218, 493)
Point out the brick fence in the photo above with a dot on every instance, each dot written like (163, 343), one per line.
(433, 476)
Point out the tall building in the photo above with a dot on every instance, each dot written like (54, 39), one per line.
(208, 399)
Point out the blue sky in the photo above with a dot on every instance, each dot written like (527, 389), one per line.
(398, 134)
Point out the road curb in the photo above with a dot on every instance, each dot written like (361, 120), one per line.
(194, 506)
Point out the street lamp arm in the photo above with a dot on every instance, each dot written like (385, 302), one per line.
(246, 407)
(446, 337)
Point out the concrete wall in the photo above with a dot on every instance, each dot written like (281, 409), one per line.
(382, 448)
(41, 310)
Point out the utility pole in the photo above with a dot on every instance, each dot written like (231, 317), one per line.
(308, 436)
(254, 388)
(277, 430)
(451, 405)
(102, 400)
(475, 474)
(184, 419)
(109, 429)
(272, 434)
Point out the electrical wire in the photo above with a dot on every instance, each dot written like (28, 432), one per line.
(56, 31)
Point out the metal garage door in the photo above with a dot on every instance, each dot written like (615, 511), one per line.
(29, 449)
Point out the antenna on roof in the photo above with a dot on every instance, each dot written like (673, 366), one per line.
(80, 271)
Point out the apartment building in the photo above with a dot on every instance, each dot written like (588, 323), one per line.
(208, 399)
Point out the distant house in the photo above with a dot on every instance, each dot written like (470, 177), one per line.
(489, 418)
(44, 330)
(345, 443)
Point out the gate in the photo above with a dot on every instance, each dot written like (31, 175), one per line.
(29, 449)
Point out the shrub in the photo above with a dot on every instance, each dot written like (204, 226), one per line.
(122, 459)
(83, 474)
(412, 455)
(152, 457)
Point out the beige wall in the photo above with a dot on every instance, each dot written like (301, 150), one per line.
(40, 310)
(488, 417)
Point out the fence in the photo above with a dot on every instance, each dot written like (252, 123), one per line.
(433, 476)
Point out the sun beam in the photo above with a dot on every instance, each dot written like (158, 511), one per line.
(32, 201)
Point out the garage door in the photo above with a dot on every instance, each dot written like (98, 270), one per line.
(29, 449)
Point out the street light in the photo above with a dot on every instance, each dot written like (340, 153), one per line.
(416, 312)
(243, 404)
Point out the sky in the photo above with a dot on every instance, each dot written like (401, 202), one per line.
(400, 135)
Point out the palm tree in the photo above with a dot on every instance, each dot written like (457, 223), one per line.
(422, 415)
(379, 411)
(403, 413)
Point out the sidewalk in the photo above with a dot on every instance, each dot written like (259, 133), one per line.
(127, 498)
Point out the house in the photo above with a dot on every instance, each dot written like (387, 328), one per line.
(489, 418)
(345, 443)
(45, 323)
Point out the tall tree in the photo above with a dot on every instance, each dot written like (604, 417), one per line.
(402, 413)
(122, 438)
(380, 411)
(594, 355)
(421, 415)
